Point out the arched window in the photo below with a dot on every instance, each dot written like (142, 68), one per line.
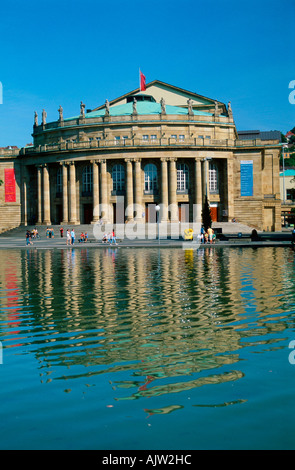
(213, 178)
(87, 181)
(150, 177)
(182, 177)
(59, 182)
(118, 175)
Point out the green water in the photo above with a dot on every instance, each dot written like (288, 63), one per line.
(147, 348)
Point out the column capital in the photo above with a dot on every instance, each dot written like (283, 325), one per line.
(137, 160)
(64, 163)
(102, 160)
(164, 159)
(172, 159)
(128, 160)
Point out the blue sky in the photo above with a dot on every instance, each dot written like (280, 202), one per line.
(61, 52)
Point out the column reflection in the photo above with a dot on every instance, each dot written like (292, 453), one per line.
(154, 314)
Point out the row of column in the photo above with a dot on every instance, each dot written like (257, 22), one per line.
(168, 197)
(69, 192)
(133, 194)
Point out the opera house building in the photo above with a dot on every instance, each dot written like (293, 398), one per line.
(162, 146)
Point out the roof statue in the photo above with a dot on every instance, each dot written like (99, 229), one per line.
(82, 109)
(134, 111)
(216, 110)
(190, 106)
(163, 106)
(60, 111)
(229, 110)
(107, 106)
(44, 116)
(35, 119)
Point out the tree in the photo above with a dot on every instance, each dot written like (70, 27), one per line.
(283, 138)
(206, 215)
(1, 182)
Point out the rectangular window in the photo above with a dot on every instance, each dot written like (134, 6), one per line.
(290, 194)
(145, 137)
(153, 137)
(181, 138)
(182, 177)
(174, 136)
(59, 183)
(213, 183)
(117, 140)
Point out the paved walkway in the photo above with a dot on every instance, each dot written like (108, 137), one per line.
(233, 234)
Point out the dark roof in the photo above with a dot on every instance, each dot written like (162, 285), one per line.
(263, 135)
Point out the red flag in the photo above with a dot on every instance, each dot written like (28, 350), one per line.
(142, 82)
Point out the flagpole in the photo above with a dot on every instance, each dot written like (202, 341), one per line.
(139, 81)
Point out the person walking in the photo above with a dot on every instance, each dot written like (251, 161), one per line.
(210, 234)
(72, 236)
(61, 232)
(113, 238)
(28, 238)
(202, 234)
(68, 237)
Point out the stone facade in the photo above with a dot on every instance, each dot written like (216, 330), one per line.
(119, 160)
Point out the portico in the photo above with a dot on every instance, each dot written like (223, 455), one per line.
(61, 194)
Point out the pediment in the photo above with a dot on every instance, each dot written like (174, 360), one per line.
(172, 95)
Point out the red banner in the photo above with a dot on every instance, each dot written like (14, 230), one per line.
(9, 184)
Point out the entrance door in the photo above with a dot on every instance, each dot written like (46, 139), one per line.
(269, 218)
(214, 213)
(150, 213)
(59, 213)
(183, 212)
(88, 213)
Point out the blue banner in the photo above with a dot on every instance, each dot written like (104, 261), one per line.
(246, 177)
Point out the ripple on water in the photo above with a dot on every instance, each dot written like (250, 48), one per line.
(144, 324)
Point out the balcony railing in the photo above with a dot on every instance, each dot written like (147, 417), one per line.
(138, 142)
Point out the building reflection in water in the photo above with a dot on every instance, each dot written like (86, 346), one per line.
(146, 314)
